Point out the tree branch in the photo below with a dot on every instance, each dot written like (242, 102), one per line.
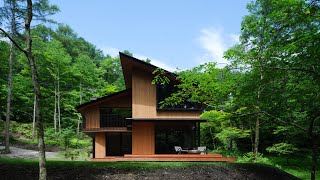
(294, 69)
(246, 114)
(13, 41)
(285, 122)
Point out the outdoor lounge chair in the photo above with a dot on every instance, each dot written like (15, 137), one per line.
(179, 150)
(203, 149)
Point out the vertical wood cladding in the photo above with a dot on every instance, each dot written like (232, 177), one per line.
(93, 117)
(143, 138)
(100, 145)
(144, 99)
(143, 95)
(92, 113)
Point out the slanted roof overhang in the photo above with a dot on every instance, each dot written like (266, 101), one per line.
(167, 119)
(128, 63)
(104, 98)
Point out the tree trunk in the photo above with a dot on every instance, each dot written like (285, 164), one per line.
(257, 127)
(13, 32)
(314, 157)
(212, 137)
(58, 93)
(257, 138)
(314, 137)
(34, 117)
(55, 109)
(79, 117)
(36, 89)
(0, 108)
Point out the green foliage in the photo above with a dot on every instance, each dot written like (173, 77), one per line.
(282, 149)
(229, 134)
(278, 59)
(66, 135)
(219, 126)
(21, 130)
(204, 84)
(72, 154)
(66, 139)
(80, 68)
(160, 77)
(249, 157)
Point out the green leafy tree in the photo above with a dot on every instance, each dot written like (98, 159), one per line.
(221, 126)
(38, 9)
(282, 149)
(279, 48)
(204, 84)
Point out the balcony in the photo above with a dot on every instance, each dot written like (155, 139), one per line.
(113, 120)
(108, 120)
(111, 123)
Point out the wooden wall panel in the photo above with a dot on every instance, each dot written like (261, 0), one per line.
(93, 117)
(178, 114)
(144, 99)
(92, 113)
(143, 138)
(143, 95)
(124, 101)
(100, 145)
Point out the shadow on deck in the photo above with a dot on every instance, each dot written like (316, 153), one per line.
(167, 158)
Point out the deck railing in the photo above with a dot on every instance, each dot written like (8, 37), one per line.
(113, 120)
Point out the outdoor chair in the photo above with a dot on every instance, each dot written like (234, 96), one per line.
(179, 150)
(203, 149)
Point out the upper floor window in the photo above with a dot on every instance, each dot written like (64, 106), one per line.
(114, 117)
(164, 91)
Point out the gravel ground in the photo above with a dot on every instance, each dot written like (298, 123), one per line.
(25, 154)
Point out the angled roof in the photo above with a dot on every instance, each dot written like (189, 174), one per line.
(104, 98)
(129, 62)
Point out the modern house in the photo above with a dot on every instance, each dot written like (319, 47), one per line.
(131, 123)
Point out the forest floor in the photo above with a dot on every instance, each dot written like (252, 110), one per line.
(196, 171)
(15, 166)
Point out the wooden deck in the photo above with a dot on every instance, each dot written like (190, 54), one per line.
(167, 158)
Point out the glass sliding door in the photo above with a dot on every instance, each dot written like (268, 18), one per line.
(166, 137)
(118, 144)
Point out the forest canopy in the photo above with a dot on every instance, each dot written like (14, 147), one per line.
(267, 100)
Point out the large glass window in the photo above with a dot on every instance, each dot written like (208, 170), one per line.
(114, 117)
(118, 144)
(164, 91)
(166, 137)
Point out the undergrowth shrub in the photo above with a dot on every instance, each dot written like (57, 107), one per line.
(249, 158)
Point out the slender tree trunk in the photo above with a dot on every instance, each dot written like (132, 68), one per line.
(55, 109)
(252, 142)
(257, 137)
(7, 130)
(257, 127)
(58, 93)
(36, 88)
(34, 116)
(13, 32)
(79, 117)
(314, 157)
(80, 98)
(314, 143)
(0, 108)
(212, 137)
